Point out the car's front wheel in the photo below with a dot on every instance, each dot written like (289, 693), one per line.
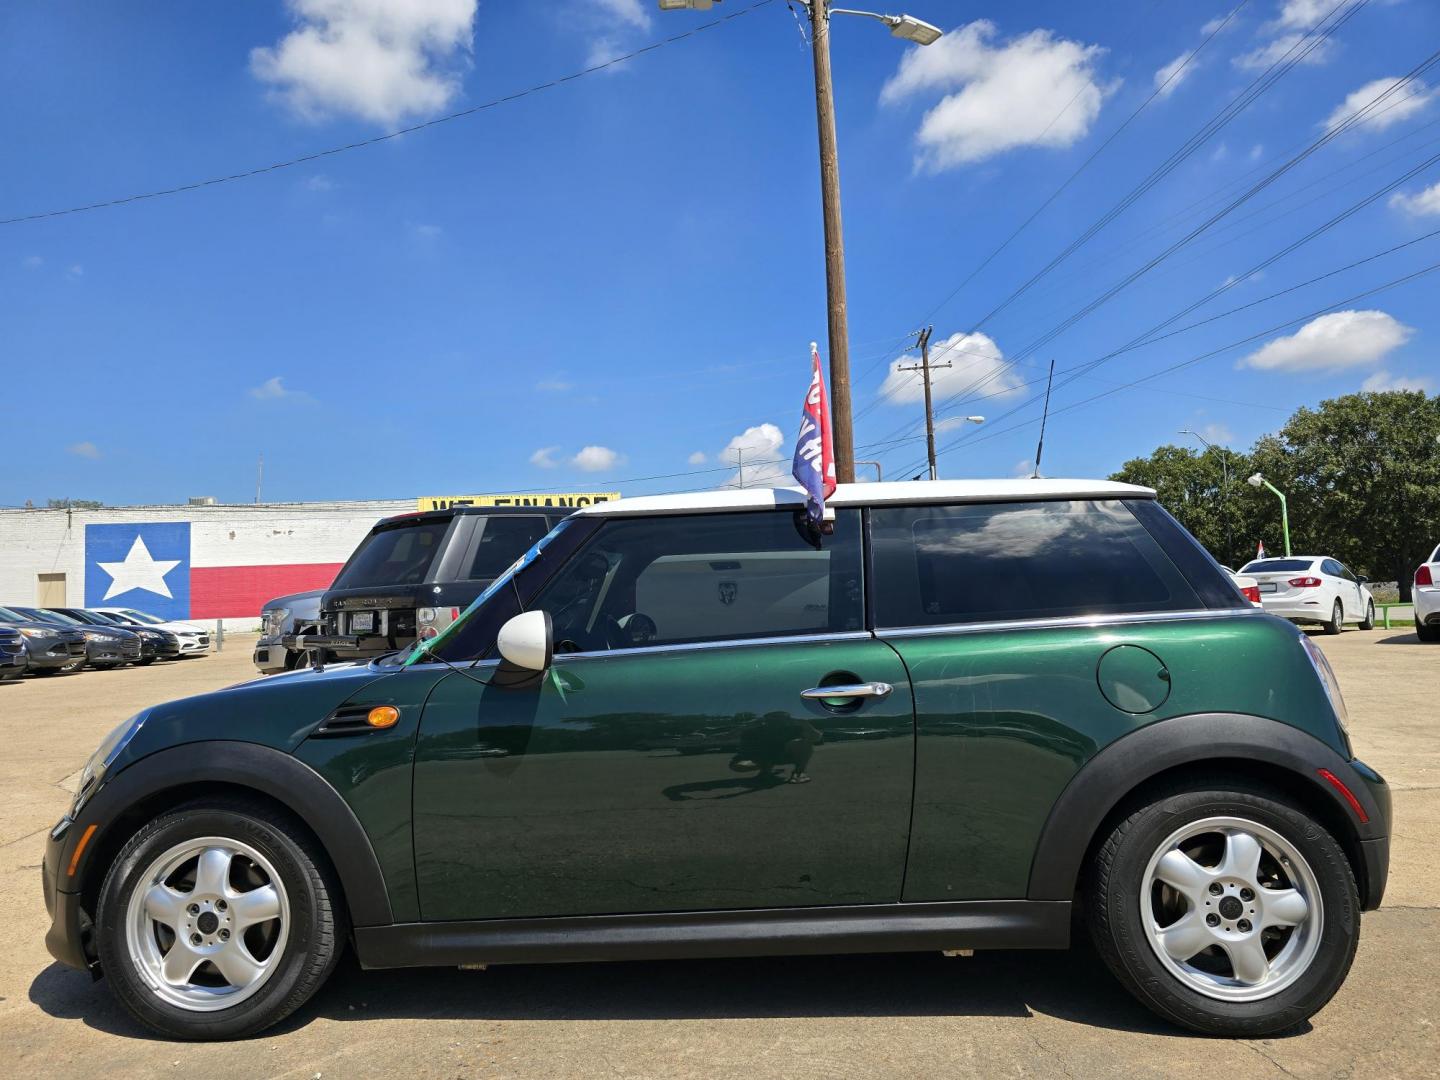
(1225, 909)
(218, 919)
(1426, 633)
(1368, 623)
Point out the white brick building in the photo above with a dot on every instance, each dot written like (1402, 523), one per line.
(183, 562)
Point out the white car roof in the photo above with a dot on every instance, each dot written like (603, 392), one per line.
(906, 492)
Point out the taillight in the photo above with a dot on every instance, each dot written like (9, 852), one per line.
(1423, 576)
(1251, 593)
(1305, 582)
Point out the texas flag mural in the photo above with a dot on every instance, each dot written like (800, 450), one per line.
(154, 566)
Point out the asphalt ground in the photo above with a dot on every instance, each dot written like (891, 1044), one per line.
(913, 1015)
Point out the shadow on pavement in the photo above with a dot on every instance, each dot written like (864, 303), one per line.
(1068, 985)
(1408, 637)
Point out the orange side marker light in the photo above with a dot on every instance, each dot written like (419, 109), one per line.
(383, 716)
(80, 848)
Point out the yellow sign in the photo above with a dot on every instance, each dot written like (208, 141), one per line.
(573, 500)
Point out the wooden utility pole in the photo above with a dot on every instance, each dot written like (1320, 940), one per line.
(840, 419)
(924, 367)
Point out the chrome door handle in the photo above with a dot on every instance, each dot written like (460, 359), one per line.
(849, 690)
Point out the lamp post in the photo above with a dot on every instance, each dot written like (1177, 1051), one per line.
(1258, 481)
(907, 28)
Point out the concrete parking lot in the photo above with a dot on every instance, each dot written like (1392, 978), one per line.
(996, 1014)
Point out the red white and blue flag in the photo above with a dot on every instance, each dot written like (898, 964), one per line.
(1260, 550)
(814, 464)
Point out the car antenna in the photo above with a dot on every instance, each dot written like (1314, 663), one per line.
(1040, 446)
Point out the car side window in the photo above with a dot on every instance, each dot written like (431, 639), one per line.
(706, 577)
(503, 539)
(1345, 572)
(1331, 567)
(935, 565)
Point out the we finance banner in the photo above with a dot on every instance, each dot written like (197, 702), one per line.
(572, 500)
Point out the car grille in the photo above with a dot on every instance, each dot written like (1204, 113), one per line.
(130, 648)
(11, 648)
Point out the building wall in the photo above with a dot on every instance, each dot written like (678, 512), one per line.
(227, 560)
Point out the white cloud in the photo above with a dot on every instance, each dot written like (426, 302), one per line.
(629, 12)
(699, 457)
(1383, 380)
(1217, 433)
(1213, 25)
(597, 459)
(319, 182)
(1303, 14)
(427, 232)
(975, 362)
(1234, 279)
(76, 271)
(274, 389)
(611, 26)
(544, 458)
(1422, 203)
(1342, 339)
(1032, 90)
(1220, 153)
(31, 262)
(378, 60)
(85, 450)
(1169, 77)
(1022, 468)
(1270, 52)
(1401, 105)
(554, 385)
(766, 462)
(1256, 151)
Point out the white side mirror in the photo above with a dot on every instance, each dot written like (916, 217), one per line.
(528, 640)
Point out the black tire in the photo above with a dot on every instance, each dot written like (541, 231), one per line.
(1337, 619)
(1368, 623)
(317, 932)
(1113, 910)
(1426, 633)
(145, 663)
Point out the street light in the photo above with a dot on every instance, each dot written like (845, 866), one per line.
(1258, 481)
(907, 28)
(952, 420)
(1224, 483)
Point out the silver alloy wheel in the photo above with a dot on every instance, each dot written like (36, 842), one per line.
(1232, 909)
(203, 932)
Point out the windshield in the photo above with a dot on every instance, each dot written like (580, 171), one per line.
(10, 615)
(1263, 566)
(141, 616)
(394, 555)
(101, 618)
(423, 647)
(59, 616)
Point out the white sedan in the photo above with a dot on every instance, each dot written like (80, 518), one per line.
(1427, 598)
(1313, 589)
(194, 638)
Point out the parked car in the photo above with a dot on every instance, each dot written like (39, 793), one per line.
(155, 644)
(1426, 598)
(413, 574)
(1141, 752)
(49, 647)
(106, 647)
(286, 616)
(1313, 589)
(194, 639)
(1248, 586)
(12, 653)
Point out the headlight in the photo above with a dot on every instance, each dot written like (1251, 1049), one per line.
(37, 632)
(101, 636)
(104, 755)
(273, 619)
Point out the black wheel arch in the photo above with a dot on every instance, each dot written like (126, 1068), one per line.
(1248, 747)
(180, 774)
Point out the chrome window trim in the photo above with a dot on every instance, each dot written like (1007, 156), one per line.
(1065, 622)
(728, 643)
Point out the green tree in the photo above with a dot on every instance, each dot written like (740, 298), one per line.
(1205, 491)
(73, 504)
(1361, 474)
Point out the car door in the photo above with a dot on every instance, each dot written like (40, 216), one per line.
(671, 759)
(999, 612)
(1354, 592)
(1339, 587)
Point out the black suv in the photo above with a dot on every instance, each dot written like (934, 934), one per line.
(414, 573)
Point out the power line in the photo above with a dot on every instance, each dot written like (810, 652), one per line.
(362, 143)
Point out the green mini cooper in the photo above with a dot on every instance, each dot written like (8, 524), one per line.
(692, 726)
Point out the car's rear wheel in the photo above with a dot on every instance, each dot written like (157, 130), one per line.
(1225, 909)
(1337, 619)
(217, 920)
(1368, 623)
(1426, 633)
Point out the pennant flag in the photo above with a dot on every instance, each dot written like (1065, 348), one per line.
(1260, 551)
(814, 464)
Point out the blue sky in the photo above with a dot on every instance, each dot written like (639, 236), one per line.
(618, 277)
